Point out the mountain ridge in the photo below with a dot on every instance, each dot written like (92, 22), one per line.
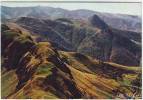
(92, 40)
(131, 23)
(53, 53)
(44, 72)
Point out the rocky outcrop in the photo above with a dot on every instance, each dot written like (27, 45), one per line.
(98, 23)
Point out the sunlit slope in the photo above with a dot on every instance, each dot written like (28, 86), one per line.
(37, 70)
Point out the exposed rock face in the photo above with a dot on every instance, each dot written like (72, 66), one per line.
(97, 22)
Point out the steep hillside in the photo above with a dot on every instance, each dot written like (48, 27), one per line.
(95, 39)
(35, 70)
(30, 62)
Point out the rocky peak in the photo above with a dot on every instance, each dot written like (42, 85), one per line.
(97, 22)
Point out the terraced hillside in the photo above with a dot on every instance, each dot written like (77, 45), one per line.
(32, 69)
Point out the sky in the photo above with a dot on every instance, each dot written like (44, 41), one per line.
(133, 8)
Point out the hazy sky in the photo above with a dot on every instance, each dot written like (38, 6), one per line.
(122, 8)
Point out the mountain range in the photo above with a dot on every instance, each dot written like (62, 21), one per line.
(95, 39)
(118, 21)
(51, 53)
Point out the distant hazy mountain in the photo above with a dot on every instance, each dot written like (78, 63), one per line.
(118, 21)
